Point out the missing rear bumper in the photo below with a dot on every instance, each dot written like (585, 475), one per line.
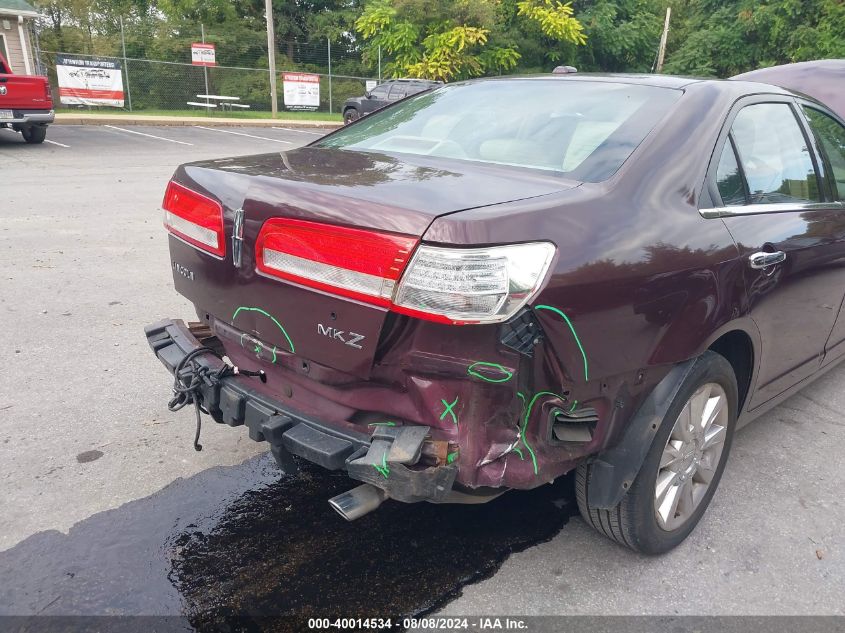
(386, 458)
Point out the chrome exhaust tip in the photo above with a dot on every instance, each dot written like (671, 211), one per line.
(355, 503)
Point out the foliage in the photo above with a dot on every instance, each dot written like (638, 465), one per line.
(449, 39)
(554, 19)
(722, 38)
(455, 40)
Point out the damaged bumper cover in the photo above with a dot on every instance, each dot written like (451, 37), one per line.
(386, 458)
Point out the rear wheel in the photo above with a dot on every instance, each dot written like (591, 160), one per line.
(682, 468)
(350, 115)
(34, 134)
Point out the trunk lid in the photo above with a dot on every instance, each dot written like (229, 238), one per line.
(282, 322)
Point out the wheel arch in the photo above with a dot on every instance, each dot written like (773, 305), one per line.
(739, 343)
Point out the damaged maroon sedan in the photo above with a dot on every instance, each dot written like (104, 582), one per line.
(456, 296)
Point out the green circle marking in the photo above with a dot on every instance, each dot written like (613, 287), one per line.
(472, 370)
(269, 316)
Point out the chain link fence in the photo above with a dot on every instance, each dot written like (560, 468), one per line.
(158, 76)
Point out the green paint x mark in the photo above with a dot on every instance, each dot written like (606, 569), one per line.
(269, 316)
(518, 451)
(572, 408)
(525, 423)
(449, 410)
(451, 457)
(574, 335)
(506, 373)
(384, 469)
(382, 424)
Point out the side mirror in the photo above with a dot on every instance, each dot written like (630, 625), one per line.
(368, 95)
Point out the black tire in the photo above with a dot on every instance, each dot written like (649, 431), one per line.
(350, 115)
(34, 134)
(632, 522)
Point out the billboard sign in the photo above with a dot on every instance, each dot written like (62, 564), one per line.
(91, 81)
(203, 54)
(301, 91)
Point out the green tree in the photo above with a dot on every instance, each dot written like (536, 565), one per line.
(453, 40)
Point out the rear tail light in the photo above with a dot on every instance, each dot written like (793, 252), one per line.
(194, 218)
(355, 263)
(448, 285)
(472, 285)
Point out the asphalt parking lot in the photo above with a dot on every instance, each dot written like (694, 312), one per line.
(97, 475)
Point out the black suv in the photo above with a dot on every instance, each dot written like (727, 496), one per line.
(384, 94)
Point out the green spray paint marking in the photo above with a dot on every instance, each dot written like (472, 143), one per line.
(574, 334)
(472, 372)
(525, 423)
(451, 457)
(448, 410)
(269, 316)
(384, 469)
(518, 451)
(382, 424)
(572, 408)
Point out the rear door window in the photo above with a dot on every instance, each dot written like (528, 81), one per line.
(831, 136)
(774, 155)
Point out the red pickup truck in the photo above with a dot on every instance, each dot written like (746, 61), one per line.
(26, 104)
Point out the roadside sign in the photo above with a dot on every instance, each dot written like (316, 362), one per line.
(371, 85)
(92, 81)
(203, 54)
(301, 91)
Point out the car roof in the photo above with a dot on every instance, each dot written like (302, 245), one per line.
(823, 80)
(726, 86)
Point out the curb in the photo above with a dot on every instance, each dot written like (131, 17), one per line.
(79, 119)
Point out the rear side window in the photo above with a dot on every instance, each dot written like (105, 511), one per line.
(380, 91)
(729, 178)
(583, 129)
(831, 135)
(398, 91)
(774, 155)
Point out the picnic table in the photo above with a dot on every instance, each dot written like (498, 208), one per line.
(225, 101)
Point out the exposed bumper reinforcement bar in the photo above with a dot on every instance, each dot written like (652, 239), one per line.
(387, 458)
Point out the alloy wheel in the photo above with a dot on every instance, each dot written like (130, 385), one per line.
(691, 456)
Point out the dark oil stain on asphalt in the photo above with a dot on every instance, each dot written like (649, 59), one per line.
(281, 550)
(232, 545)
(88, 456)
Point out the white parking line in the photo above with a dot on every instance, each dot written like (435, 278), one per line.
(290, 129)
(263, 138)
(160, 138)
(46, 140)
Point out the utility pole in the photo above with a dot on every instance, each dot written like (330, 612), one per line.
(125, 63)
(661, 52)
(271, 52)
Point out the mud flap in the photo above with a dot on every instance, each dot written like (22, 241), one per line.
(614, 470)
(385, 464)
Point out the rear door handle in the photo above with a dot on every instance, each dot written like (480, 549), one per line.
(759, 261)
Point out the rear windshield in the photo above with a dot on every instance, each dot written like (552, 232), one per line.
(584, 129)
